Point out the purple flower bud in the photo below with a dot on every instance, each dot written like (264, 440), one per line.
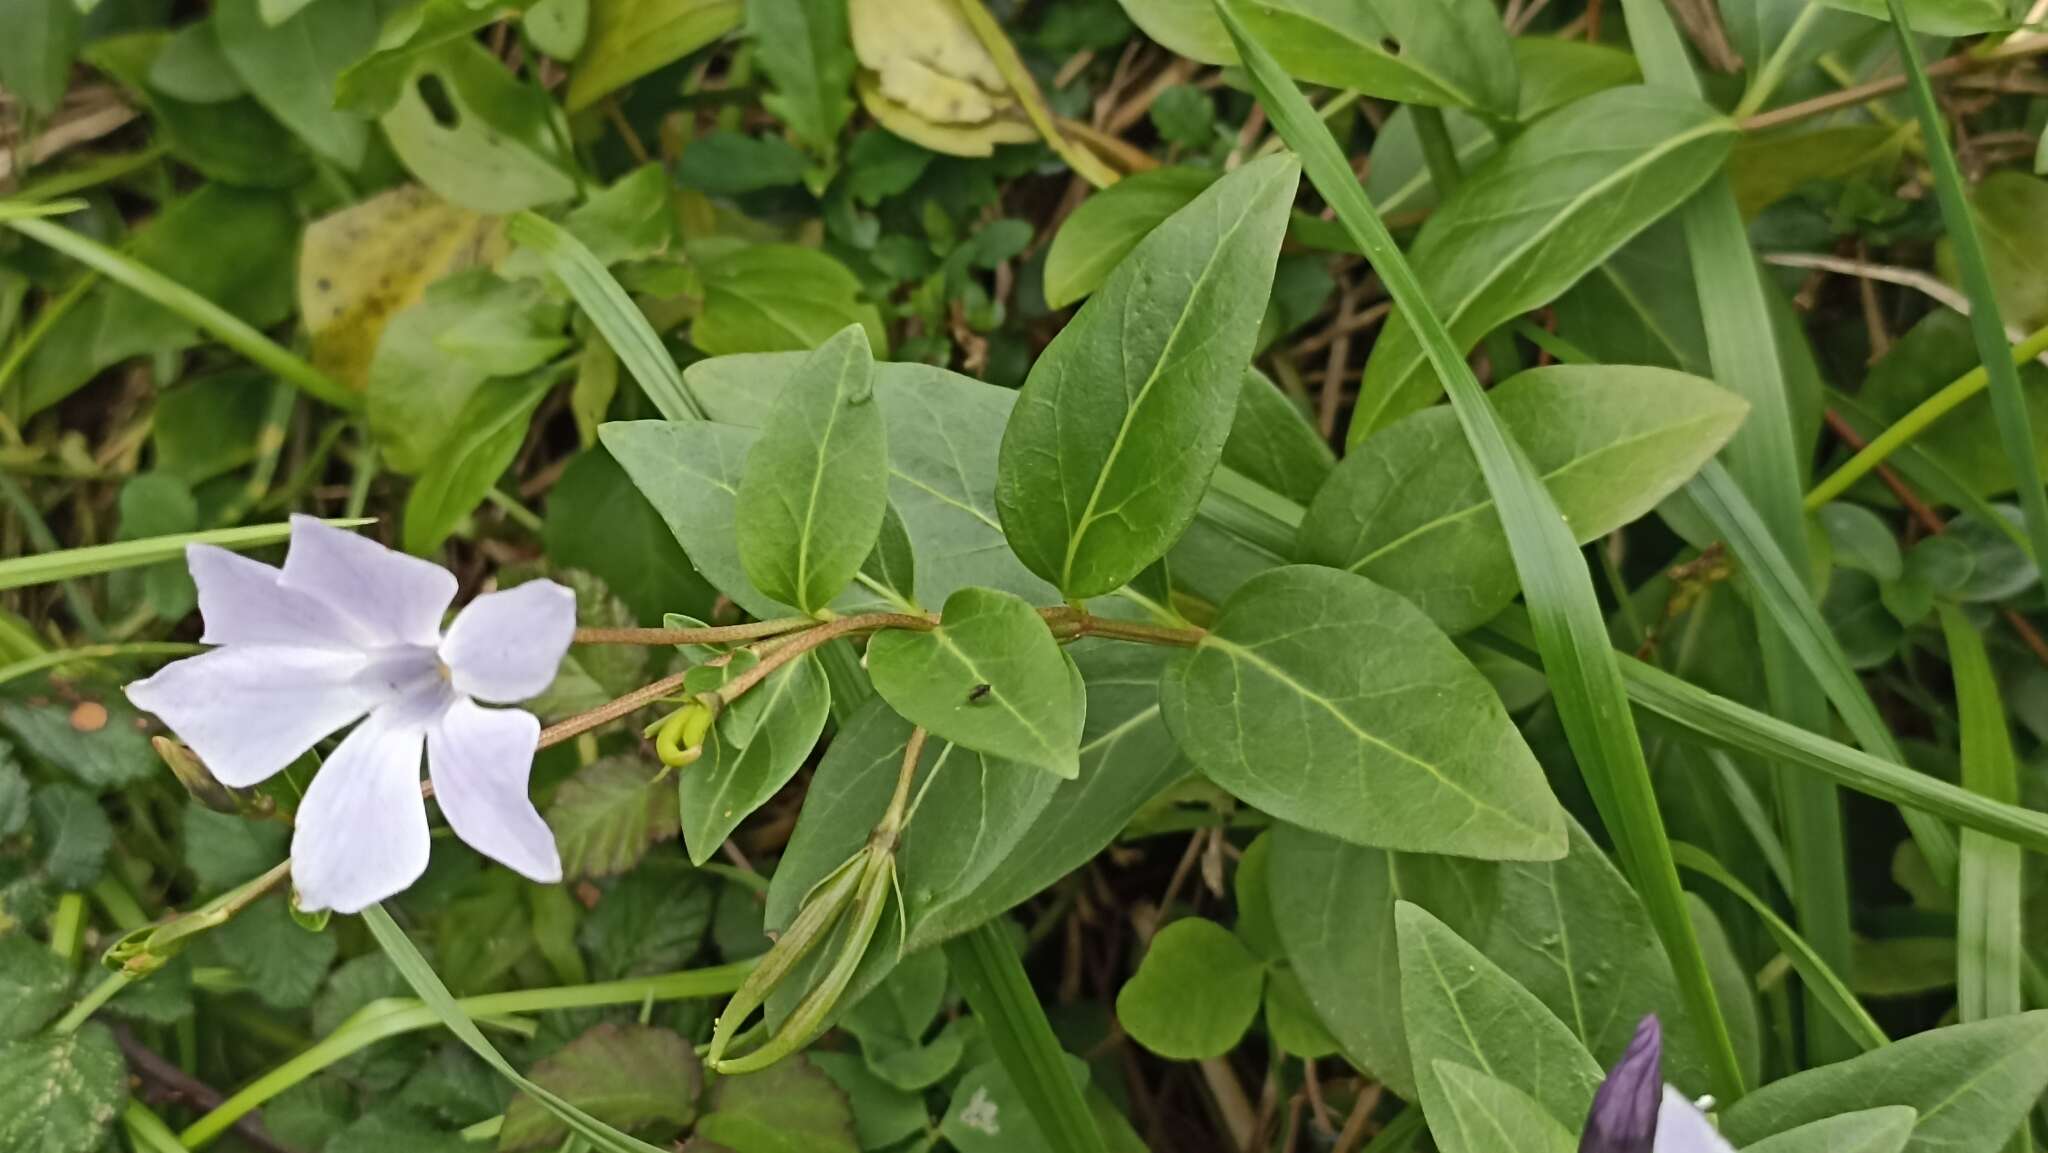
(1624, 1114)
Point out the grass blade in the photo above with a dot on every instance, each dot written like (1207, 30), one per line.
(1723, 722)
(1783, 598)
(405, 956)
(1762, 460)
(1571, 634)
(217, 322)
(993, 981)
(617, 318)
(1829, 990)
(79, 562)
(2008, 407)
(1988, 921)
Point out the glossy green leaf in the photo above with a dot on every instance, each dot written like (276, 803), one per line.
(1333, 904)
(1273, 444)
(689, 471)
(60, 1093)
(1535, 218)
(1447, 986)
(487, 436)
(290, 67)
(1195, 993)
(776, 297)
(1455, 53)
(606, 816)
(630, 38)
(733, 778)
(1885, 1129)
(483, 139)
(597, 521)
(1475, 1112)
(990, 677)
(815, 487)
(1330, 702)
(1410, 508)
(633, 1077)
(1101, 471)
(1972, 1085)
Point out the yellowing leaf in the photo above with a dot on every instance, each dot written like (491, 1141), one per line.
(925, 75)
(370, 261)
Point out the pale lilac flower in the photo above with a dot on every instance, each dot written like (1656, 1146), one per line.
(1634, 1111)
(349, 629)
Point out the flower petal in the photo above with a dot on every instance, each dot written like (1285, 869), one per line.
(479, 759)
(244, 603)
(399, 598)
(1624, 1114)
(250, 710)
(505, 646)
(1682, 1128)
(361, 832)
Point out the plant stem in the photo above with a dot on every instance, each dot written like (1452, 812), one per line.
(1773, 71)
(716, 635)
(2014, 49)
(1068, 622)
(798, 644)
(90, 1003)
(96, 652)
(1911, 425)
(890, 827)
(604, 714)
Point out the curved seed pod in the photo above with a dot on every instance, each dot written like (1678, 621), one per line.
(810, 928)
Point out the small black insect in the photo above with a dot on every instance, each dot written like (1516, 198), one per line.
(978, 692)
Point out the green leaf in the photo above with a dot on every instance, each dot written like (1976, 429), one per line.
(60, 1094)
(805, 50)
(1334, 906)
(1456, 53)
(596, 520)
(1972, 1084)
(1291, 1019)
(34, 982)
(1272, 442)
(892, 566)
(883, 1115)
(1195, 992)
(944, 432)
(1765, 169)
(482, 139)
(1572, 633)
(606, 816)
(72, 834)
(372, 84)
(630, 38)
(281, 962)
(689, 470)
(1460, 1008)
(777, 297)
(1410, 508)
(633, 1077)
(2004, 204)
(19, 572)
(739, 773)
(1882, 1130)
(1475, 1113)
(1123, 418)
(102, 750)
(815, 487)
(733, 164)
(1534, 218)
(1184, 115)
(789, 1107)
(1938, 17)
(192, 68)
(1330, 702)
(558, 27)
(1108, 225)
(990, 677)
(290, 67)
(1037, 1073)
(1990, 944)
(487, 436)
(1934, 351)
(651, 920)
(35, 57)
(224, 850)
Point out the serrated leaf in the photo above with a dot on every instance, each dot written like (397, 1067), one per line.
(1534, 218)
(1195, 992)
(223, 850)
(805, 50)
(60, 1094)
(1446, 985)
(989, 677)
(282, 962)
(789, 1107)
(1454, 53)
(606, 816)
(89, 731)
(1122, 419)
(815, 486)
(748, 759)
(1330, 702)
(1334, 906)
(632, 1077)
(72, 835)
(1410, 509)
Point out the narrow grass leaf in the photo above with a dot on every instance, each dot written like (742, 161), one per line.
(45, 568)
(1989, 926)
(1571, 632)
(991, 976)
